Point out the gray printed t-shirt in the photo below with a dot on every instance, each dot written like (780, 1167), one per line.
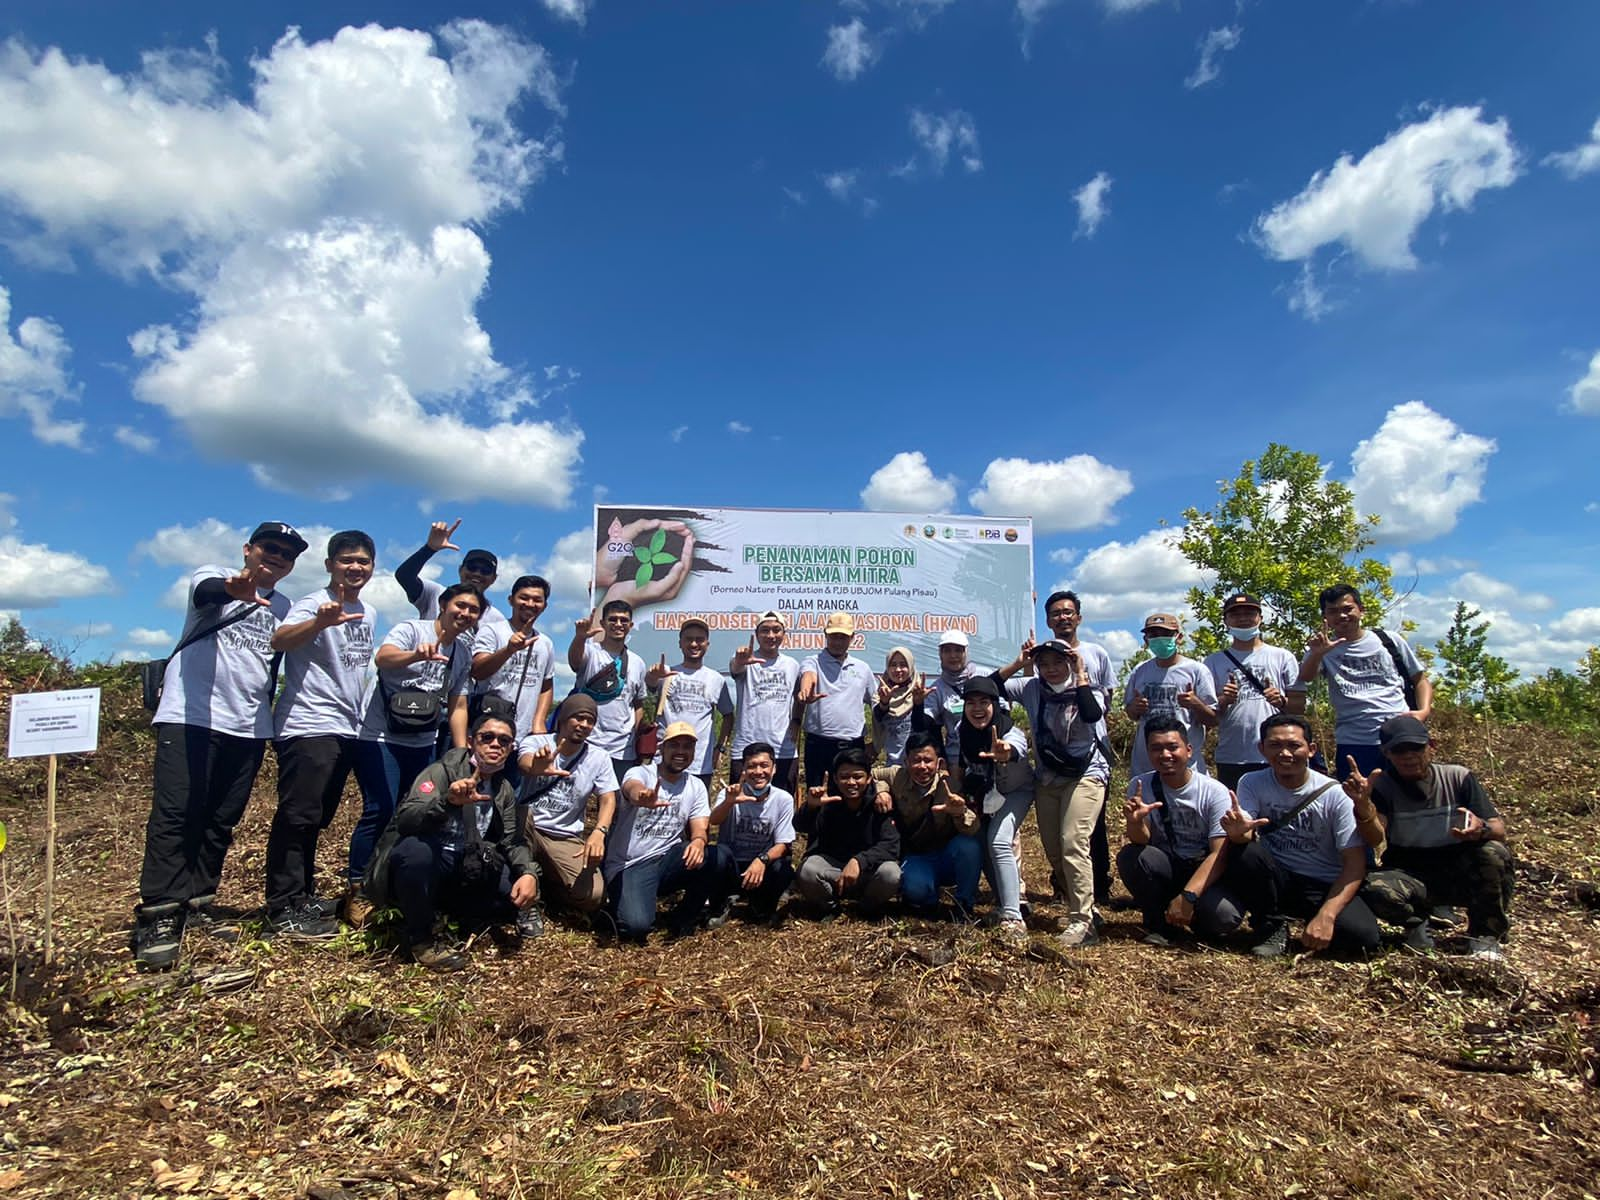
(1239, 729)
(765, 693)
(420, 677)
(1314, 843)
(693, 696)
(323, 679)
(757, 826)
(522, 676)
(613, 730)
(220, 681)
(1162, 686)
(1195, 811)
(845, 686)
(643, 833)
(1364, 687)
(558, 805)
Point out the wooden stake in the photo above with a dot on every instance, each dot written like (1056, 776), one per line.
(50, 862)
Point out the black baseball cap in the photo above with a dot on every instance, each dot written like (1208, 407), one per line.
(1401, 731)
(982, 686)
(279, 529)
(475, 556)
(1240, 600)
(1053, 646)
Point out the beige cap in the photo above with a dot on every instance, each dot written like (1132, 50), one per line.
(773, 617)
(1166, 621)
(840, 623)
(679, 729)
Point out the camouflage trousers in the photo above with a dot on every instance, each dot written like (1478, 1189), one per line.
(1476, 875)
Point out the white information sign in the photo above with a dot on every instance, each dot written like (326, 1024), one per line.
(54, 723)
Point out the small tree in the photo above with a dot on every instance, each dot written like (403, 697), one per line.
(1282, 531)
(1468, 674)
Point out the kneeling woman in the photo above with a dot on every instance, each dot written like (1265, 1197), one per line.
(454, 845)
(997, 782)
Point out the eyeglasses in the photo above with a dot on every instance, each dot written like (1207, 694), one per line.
(478, 566)
(278, 550)
(496, 739)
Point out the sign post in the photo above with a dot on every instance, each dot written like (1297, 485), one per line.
(48, 724)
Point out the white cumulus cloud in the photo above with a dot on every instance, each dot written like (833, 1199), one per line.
(1584, 396)
(907, 484)
(570, 569)
(1581, 159)
(1374, 207)
(141, 636)
(32, 575)
(140, 443)
(851, 50)
(1213, 46)
(1120, 583)
(1418, 472)
(576, 11)
(1092, 205)
(1482, 591)
(937, 136)
(1073, 493)
(1579, 623)
(33, 376)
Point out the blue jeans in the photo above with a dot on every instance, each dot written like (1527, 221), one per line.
(423, 880)
(957, 863)
(1000, 860)
(384, 772)
(633, 890)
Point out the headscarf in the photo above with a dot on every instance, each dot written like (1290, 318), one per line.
(900, 700)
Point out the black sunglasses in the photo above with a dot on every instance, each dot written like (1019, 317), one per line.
(496, 739)
(278, 549)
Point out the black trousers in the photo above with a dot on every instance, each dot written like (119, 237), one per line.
(312, 772)
(1100, 859)
(202, 785)
(1272, 895)
(1478, 875)
(1229, 774)
(821, 751)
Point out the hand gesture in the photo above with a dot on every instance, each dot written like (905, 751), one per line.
(1000, 751)
(656, 591)
(1323, 642)
(1275, 697)
(1027, 648)
(1135, 806)
(588, 627)
(243, 585)
(465, 790)
(521, 641)
(1189, 700)
(1229, 695)
(919, 691)
(1474, 828)
(651, 797)
(1236, 825)
(439, 535)
(654, 676)
(810, 690)
(542, 762)
(1358, 786)
(754, 874)
(1140, 705)
(332, 613)
(885, 691)
(819, 795)
(1318, 932)
(428, 652)
(847, 877)
(954, 803)
(743, 657)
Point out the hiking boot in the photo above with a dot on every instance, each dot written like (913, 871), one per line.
(302, 923)
(157, 938)
(355, 909)
(720, 913)
(1485, 949)
(205, 918)
(437, 956)
(323, 906)
(1442, 916)
(1273, 942)
(530, 922)
(1078, 933)
(1417, 936)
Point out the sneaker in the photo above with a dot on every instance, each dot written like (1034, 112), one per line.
(323, 906)
(206, 919)
(1078, 933)
(301, 923)
(1485, 949)
(157, 939)
(437, 956)
(1417, 936)
(1158, 933)
(1014, 933)
(1442, 916)
(355, 909)
(530, 922)
(1273, 942)
(720, 913)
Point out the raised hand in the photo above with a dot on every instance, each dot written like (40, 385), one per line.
(332, 613)
(885, 690)
(810, 690)
(1000, 751)
(1275, 697)
(743, 657)
(542, 762)
(1236, 825)
(464, 791)
(428, 652)
(520, 641)
(656, 674)
(588, 627)
(651, 797)
(439, 535)
(243, 585)
(1324, 641)
(1189, 700)
(1358, 786)
(1135, 806)
(1229, 695)
(1027, 648)
(919, 691)
(953, 803)
(820, 795)
(1140, 706)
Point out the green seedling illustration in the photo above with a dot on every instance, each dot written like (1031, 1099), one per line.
(650, 557)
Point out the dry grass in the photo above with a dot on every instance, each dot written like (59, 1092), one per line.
(900, 1059)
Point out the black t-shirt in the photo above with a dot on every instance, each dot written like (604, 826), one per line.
(1419, 815)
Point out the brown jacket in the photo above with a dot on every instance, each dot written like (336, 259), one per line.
(923, 831)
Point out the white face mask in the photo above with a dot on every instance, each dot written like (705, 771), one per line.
(1057, 688)
(1245, 635)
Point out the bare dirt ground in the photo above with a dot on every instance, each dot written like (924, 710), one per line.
(903, 1059)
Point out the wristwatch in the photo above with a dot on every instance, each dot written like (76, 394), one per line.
(1191, 897)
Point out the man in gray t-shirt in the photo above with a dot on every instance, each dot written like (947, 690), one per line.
(1253, 680)
(326, 642)
(211, 726)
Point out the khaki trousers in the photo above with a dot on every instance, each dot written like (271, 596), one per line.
(565, 869)
(1068, 807)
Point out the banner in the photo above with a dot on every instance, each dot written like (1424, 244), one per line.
(905, 578)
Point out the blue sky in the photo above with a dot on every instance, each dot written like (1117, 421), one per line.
(1074, 259)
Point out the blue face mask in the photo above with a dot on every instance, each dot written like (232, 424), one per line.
(1162, 647)
(1244, 635)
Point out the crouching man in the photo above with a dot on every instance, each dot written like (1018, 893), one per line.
(660, 838)
(756, 824)
(1296, 851)
(852, 845)
(454, 847)
(1445, 843)
(559, 776)
(938, 832)
(1174, 858)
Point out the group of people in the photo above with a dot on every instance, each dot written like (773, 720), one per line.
(483, 797)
